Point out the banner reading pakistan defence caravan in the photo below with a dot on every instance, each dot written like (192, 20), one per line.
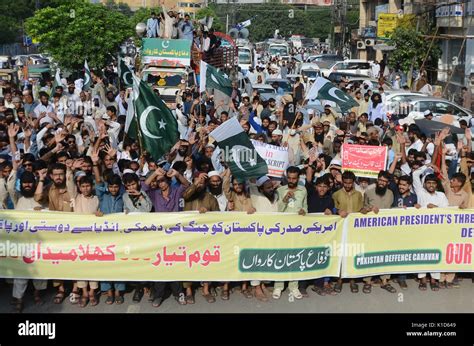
(410, 241)
(169, 246)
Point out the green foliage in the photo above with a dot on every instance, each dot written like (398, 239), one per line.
(410, 45)
(313, 22)
(142, 14)
(14, 12)
(79, 30)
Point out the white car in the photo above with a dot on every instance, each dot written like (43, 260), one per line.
(350, 66)
(439, 107)
(310, 70)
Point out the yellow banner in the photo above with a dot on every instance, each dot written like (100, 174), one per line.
(409, 241)
(169, 246)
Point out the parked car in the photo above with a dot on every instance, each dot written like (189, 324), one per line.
(349, 66)
(336, 78)
(439, 107)
(398, 101)
(266, 91)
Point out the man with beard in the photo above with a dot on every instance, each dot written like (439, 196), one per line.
(179, 151)
(215, 188)
(352, 123)
(197, 198)
(239, 200)
(414, 136)
(377, 197)
(110, 100)
(291, 199)
(277, 136)
(72, 98)
(59, 197)
(237, 196)
(44, 108)
(25, 201)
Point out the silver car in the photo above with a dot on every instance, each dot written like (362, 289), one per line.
(438, 107)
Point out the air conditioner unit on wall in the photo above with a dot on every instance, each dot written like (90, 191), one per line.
(369, 42)
(361, 45)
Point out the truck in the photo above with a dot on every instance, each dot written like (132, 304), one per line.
(169, 65)
(278, 48)
(246, 55)
(166, 65)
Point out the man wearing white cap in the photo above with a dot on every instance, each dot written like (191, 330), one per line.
(215, 188)
(277, 136)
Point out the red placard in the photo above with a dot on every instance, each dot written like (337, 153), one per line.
(364, 160)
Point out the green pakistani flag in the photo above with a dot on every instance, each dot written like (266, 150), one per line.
(323, 89)
(87, 77)
(212, 78)
(157, 125)
(126, 76)
(238, 151)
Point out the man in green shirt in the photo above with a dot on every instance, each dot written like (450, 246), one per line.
(291, 199)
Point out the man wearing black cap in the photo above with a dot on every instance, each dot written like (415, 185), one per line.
(428, 115)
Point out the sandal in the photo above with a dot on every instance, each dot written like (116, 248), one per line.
(156, 302)
(180, 299)
(209, 298)
(389, 288)
(59, 297)
(304, 292)
(443, 285)
(110, 300)
(83, 302)
(225, 295)
(18, 305)
(138, 295)
(434, 286)
(367, 288)
(338, 287)
(260, 295)
(119, 300)
(449, 285)
(38, 300)
(329, 291)
(319, 290)
(93, 301)
(354, 287)
(247, 293)
(190, 299)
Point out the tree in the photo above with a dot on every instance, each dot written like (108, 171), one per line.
(77, 31)
(142, 14)
(266, 18)
(210, 12)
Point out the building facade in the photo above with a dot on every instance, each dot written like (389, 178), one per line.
(455, 33)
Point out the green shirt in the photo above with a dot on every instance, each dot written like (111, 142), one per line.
(295, 204)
